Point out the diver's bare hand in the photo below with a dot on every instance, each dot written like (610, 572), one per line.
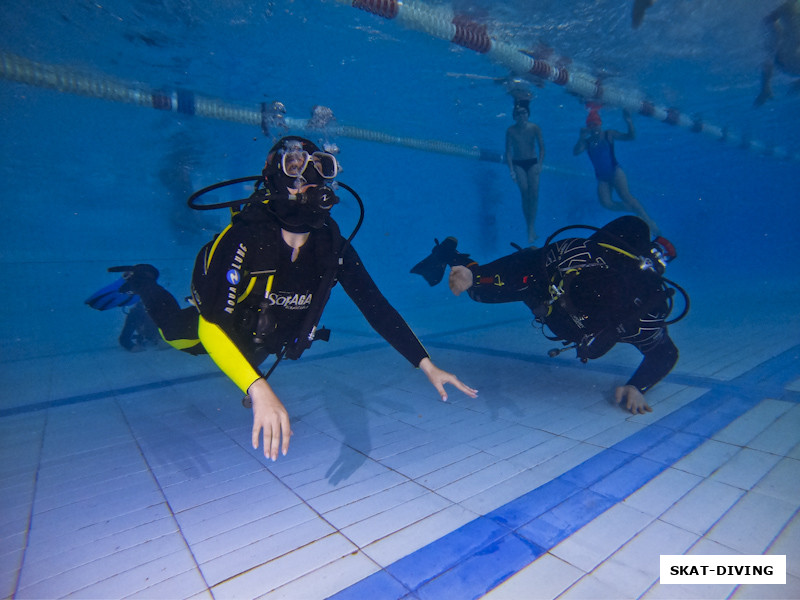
(460, 279)
(439, 378)
(634, 399)
(269, 416)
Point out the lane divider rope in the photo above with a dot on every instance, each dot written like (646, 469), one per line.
(446, 24)
(65, 80)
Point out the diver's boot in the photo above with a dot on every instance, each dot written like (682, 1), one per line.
(136, 277)
(442, 255)
(141, 280)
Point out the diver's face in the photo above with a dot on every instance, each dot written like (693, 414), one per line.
(520, 115)
(294, 163)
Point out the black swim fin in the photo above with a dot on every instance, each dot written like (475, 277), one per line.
(432, 268)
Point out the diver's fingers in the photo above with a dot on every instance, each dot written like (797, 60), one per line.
(287, 434)
(471, 392)
(274, 442)
(440, 388)
(618, 394)
(257, 434)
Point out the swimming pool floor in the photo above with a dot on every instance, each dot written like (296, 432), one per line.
(132, 476)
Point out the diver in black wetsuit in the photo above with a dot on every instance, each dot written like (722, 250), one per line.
(259, 286)
(591, 293)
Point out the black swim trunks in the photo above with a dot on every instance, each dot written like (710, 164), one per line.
(525, 163)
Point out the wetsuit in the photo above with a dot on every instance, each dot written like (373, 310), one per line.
(252, 299)
(603, 297)
(603, 158)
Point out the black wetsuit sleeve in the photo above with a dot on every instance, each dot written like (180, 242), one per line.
(381, 315)
(657, 362)
(507, 279)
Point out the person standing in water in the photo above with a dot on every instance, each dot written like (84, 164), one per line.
(783, 31)
(599, 145)
(639, 8)
(524, 163)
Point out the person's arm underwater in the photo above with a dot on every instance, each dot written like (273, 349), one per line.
(657, 362)
(539, 140)
(388, 323)
(223, 280)
(510, 155)
(580, 145)
(630, 134)
(508, 279)
(269, 414)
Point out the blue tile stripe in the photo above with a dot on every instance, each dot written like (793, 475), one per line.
(104, 395)
(483, 553)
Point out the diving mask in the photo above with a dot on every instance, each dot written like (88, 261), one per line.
(294, 162)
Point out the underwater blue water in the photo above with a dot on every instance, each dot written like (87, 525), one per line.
(89, 183)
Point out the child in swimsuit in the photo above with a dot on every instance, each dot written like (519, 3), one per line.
(524, 163)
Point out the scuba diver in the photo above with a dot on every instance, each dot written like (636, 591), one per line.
(589, 292)
(259, 286)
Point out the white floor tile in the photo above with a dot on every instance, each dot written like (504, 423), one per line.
(135, 563)
(635, 567)
(753, 523)
(781, 436)
(386, 523)
(289, 567)
(479, 481)
(706, 459)
(747, 468)
(219, 565)
(702, 507)
(591, 588)
(782, 482)
(374, 504)
(663, 491)
(789, 591)
(788, 543)
(545, 578)
(601, 538)
(416, 535)
(753, 423)
(326, 580)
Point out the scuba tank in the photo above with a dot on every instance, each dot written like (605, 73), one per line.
(586, 312)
